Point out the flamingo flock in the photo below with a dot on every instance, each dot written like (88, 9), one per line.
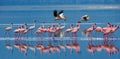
(51, 30)
(107, 33)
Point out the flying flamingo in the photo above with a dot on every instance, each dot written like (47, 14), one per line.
(59, 16)
(84, 18)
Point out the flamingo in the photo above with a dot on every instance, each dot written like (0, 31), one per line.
(84, 18)
(67, 31)
(17, 31)
(75, 29)
(114, 28)
(32, 27)
(59, 16)
(24, 29)
(8, 28)
(58, 30)
(52, 30)
(89, 30)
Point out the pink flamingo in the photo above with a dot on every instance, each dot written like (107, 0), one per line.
(114, 28)
(52, 30)
(39, 30)
(89, 30)
(24, 29)
(60, 28)
(69, 30)
(8, 28)
(75, 29)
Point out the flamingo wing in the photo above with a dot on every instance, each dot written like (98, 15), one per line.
(55, 13)
(61, 12)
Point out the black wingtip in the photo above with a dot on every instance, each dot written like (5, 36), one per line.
(55, 13)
